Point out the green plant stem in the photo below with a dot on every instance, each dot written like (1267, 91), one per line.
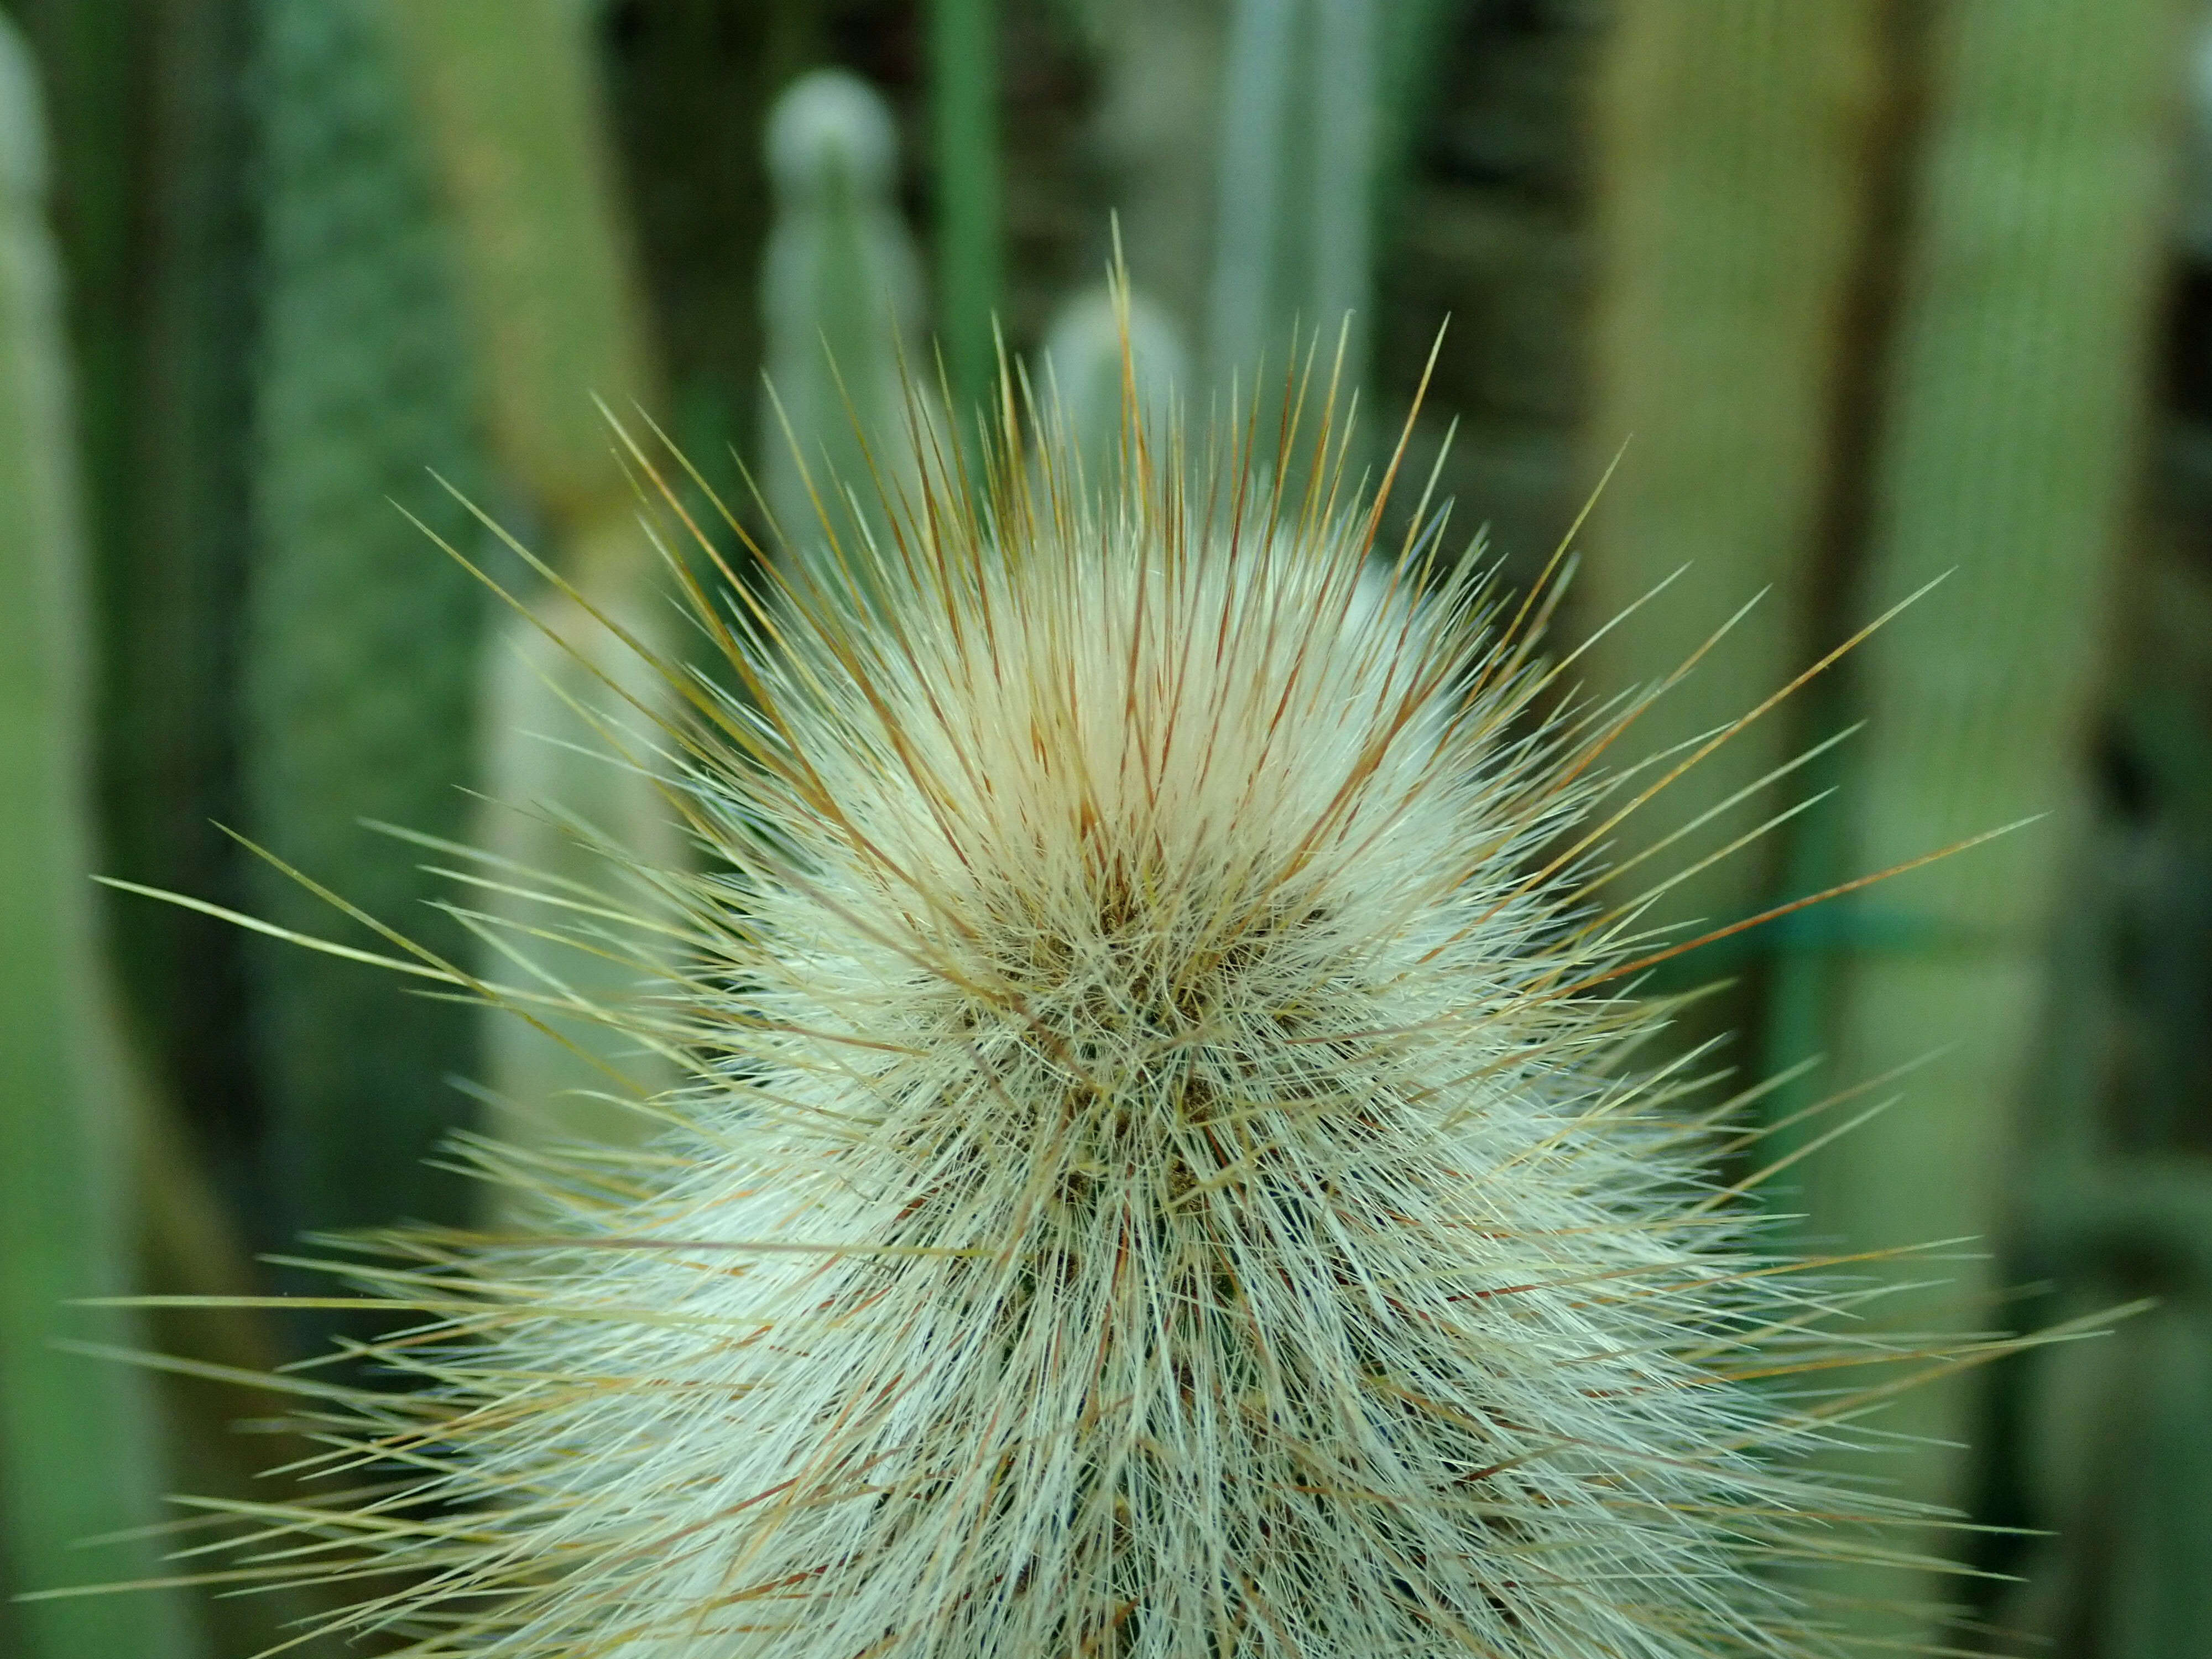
(78, 1455)
(1734, 138)
(842, 309)
(507, 93)
(176, 546)
(508, 101)
(2010, 445)
(361, 637)
(964, 123)
(1295, 230)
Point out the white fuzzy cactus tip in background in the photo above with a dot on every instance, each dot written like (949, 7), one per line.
(1162, 1171)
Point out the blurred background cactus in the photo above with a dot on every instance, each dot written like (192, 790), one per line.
(77, 1438)
(1294, 232)
(363, 372)
(1870, 292)
(841, 310)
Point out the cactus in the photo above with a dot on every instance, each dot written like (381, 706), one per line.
(1293, 235)
(841, 304)
(1156, 1172)
(963, 99)
(154, 182)
(2009, 452)
(1736, 153)
(504, 90)
(77, 1448)
(2162, 1557)
(1157, 131)
(2119, 1478)
(1083, 364)
(555, 787)
(362, 639)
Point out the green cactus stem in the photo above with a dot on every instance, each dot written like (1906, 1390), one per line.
(1294, 232)
(1734, 139)
(362, 639)
(842, 299)
(505, 91)
(2011, 443)
(77, 1451)
(505, 95)
(963, 95)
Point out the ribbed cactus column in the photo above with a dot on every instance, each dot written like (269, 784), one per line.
(842, 302)
(504, 91)
(963, 98)
(362, 638)
(1734, 144)
(78, 1456)
(2010, 448)
(1294, 232)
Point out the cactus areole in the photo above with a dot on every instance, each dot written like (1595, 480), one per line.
(1161, 1169)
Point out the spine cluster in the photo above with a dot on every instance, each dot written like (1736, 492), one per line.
(1163, 1170)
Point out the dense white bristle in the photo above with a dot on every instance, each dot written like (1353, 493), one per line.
(1161, 1175)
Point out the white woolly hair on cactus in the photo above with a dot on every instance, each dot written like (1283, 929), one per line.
(1162, 1172)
